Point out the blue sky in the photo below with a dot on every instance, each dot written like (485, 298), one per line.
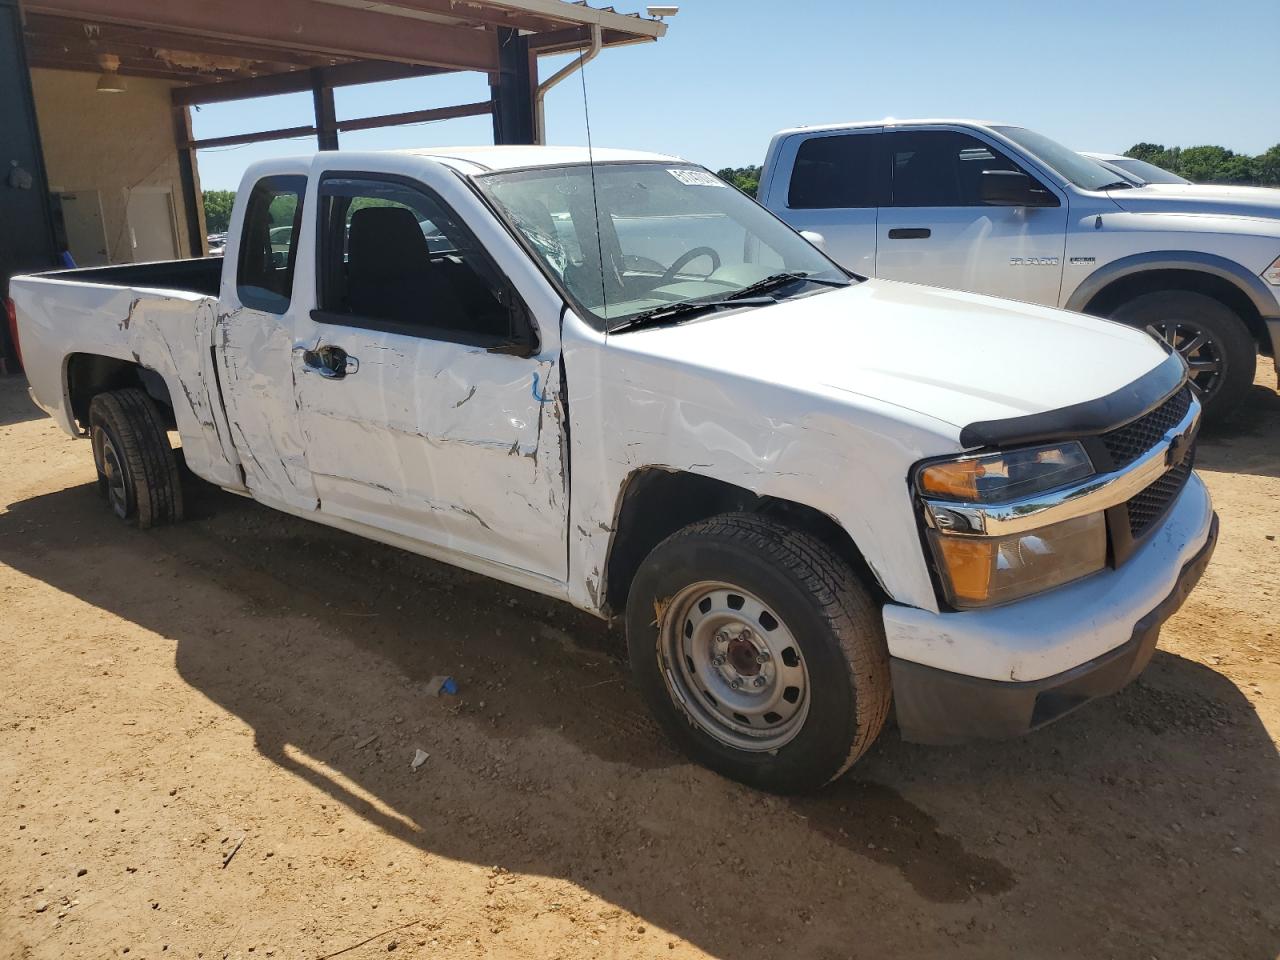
(729, 73)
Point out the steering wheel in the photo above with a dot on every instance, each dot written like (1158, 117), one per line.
(688, 257)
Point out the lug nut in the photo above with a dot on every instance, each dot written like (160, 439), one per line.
(718, 660)
(735, 683)
(762, 657)
(758, 681)
(722, 636)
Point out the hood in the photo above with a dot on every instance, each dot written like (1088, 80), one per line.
(1200, 198)
(958, 358)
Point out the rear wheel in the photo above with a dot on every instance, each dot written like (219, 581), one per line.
(137, 470)
(1212, 339)
(760, 652)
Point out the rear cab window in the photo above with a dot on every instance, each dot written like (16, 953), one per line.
(269, 243)
(836, 172)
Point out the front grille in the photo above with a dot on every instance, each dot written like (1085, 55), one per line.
(1152, 503)
(1127, 443)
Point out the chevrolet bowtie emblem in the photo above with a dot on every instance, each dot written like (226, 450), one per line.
(1177, 449)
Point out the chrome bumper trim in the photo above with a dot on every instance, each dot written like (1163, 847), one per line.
(1095, 494)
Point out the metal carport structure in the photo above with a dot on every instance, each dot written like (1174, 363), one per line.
(214, 52)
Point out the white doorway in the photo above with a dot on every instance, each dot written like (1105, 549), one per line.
(153, 231)
(86, 233)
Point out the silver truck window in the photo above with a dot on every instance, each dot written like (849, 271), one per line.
(835, 172)
(268, 243)
(940, 168)
(394, 257)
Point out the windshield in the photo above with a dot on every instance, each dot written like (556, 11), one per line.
(669, 234)
(1146, 172)
(1083, 172)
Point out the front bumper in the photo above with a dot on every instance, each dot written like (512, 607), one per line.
(1003, 672)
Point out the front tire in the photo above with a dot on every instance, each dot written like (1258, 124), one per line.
(136, 467)
(1212, 339)
(759, 651)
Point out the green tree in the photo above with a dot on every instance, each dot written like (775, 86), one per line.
(217, 210)
(1203, 164)
(746, 179)
(1266, 167)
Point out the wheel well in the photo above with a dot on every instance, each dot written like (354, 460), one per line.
(1121, 291)
(90, 374)
(655, 503)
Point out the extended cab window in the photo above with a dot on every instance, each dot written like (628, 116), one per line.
(268, 243)
(394, 257)
(941, 168)
(834, 172)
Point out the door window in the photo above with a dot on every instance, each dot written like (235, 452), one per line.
(394, 257)
(835, 172)
(268, 243)
(941, 168)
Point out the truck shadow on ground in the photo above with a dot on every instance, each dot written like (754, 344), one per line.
(21, 408)
(1248, 441)
(548, 763)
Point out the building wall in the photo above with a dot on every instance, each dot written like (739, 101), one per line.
(114, 143)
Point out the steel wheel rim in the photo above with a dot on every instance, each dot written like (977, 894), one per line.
(713, 634)
(1201, 351)
(113, 473)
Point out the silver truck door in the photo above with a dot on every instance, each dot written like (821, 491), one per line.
(429, 398)
(937, 229)
(254, 342)
(834, 189)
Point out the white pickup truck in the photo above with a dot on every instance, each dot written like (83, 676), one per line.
(625, 385)
(1003, 210)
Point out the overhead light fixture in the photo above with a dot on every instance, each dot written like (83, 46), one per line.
(110, 81)
(663, 11)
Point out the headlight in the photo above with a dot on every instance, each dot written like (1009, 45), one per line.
(1272, 273)
(982, 570)
(1005, 476)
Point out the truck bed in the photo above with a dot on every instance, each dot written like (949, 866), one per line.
(111, 322)
(202, 275)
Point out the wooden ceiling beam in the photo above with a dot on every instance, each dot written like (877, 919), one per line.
(300, 81)
(45, 29)
(307, 25)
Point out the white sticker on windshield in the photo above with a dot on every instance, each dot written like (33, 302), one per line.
(696, 178)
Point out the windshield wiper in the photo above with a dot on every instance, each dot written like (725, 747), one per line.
(686, 308)
(780, 279)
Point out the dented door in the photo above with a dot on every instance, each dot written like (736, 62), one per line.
(428, 402)
(441, 442)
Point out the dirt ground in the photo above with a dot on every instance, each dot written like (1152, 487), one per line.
(207, 734)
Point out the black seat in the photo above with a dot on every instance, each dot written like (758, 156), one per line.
(390, 275)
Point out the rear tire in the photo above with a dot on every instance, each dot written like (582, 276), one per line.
(740, 599)
(137, 471)
(1211, 337)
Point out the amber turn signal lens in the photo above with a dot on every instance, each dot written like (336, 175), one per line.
(957, 480)
(969, 563)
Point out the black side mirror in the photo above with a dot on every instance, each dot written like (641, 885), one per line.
(1013, 188)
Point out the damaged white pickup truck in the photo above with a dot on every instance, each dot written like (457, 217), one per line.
(626, 385)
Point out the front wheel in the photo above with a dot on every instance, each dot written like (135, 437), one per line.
(759, 651)
(1214, 341)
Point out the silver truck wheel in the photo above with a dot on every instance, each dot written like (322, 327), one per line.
(760, 651)
(735, 666)
(1214, 341)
